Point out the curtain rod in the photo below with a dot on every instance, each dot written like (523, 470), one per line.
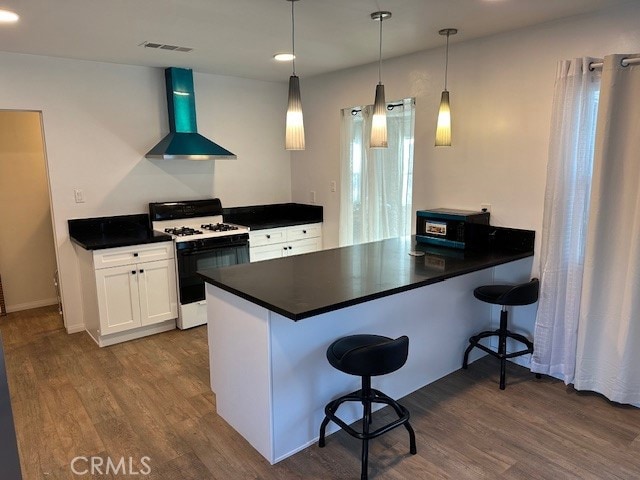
(391, 106)
(625, 62)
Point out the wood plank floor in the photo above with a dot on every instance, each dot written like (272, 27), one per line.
(151, 397)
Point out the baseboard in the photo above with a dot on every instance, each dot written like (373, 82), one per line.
(74, 328)
(29, 305)
(523, 361)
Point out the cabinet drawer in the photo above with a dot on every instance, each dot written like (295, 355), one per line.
(301, 232)
(115, 257)
(267, 252)
(267, 237)
(305, 246)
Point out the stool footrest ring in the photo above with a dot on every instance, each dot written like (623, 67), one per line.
(332, 407)
(367, 397)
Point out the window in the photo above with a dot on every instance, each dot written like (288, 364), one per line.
(376, 184)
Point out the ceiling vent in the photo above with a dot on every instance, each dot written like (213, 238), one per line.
(164, 46)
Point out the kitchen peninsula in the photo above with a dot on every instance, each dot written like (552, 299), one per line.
(271, 322)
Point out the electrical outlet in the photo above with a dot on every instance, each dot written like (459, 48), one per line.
(78, 194)
(333, 186)
(312, 195)
(485, 207)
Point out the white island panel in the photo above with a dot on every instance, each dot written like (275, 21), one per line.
(271, 376)
(240, 369)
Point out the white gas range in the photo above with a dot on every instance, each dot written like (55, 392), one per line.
(202, 241)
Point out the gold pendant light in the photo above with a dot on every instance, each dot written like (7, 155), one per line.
(379, 120)
(294, 133)
(443, 128)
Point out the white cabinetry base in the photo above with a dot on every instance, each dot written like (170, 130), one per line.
(106, 340)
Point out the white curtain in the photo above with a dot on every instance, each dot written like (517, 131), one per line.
(608, 348)
(376, 184)
(569, 169)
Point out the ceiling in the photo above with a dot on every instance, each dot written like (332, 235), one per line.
(239, 37)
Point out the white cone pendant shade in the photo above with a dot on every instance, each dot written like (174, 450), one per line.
(294, 136)
(443, 126)
(443, 129)
(294, 125)
(379, 120)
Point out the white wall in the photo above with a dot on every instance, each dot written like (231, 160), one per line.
(501, 95)
(99, 121)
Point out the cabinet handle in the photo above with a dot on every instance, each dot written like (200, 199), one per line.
(304, 231)
(135, 254)
(141, 270)
(133, 272)
(290, 248)
(268, 236)
(284, 248)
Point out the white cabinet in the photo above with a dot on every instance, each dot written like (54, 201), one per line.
(118, 299)
(129, 292)
(284, 241)
(158, 292)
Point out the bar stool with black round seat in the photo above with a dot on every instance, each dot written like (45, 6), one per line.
(504, 295)
(367, 356)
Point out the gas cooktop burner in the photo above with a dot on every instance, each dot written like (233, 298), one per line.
(218, 227)
(183, 231)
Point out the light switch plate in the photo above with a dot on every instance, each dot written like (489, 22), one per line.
(78, 194)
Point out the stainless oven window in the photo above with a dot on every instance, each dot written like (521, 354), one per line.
(191, 286)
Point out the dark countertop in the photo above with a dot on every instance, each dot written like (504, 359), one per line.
(306, 285)
(110, 232)
(9, 458)
(259, 217)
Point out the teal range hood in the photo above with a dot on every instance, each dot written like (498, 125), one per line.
(183, 141)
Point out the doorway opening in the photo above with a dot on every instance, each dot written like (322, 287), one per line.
(28, 267)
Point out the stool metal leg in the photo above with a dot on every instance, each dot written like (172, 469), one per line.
(366, 421)
(365, 441)
(323, 427)
(502, 346)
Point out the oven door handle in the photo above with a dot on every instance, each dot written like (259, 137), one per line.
(198, 250)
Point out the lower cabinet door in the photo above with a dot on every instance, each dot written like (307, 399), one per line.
(158, 296)
(118, 298)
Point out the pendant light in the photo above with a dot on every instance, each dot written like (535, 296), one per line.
(294, 133)
(379, 120)
(443, 128)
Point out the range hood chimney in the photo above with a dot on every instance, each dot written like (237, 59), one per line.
(183, 141)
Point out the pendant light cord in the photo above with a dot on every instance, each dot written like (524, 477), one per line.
(293, 37)
(446, 64)
(380, 55)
